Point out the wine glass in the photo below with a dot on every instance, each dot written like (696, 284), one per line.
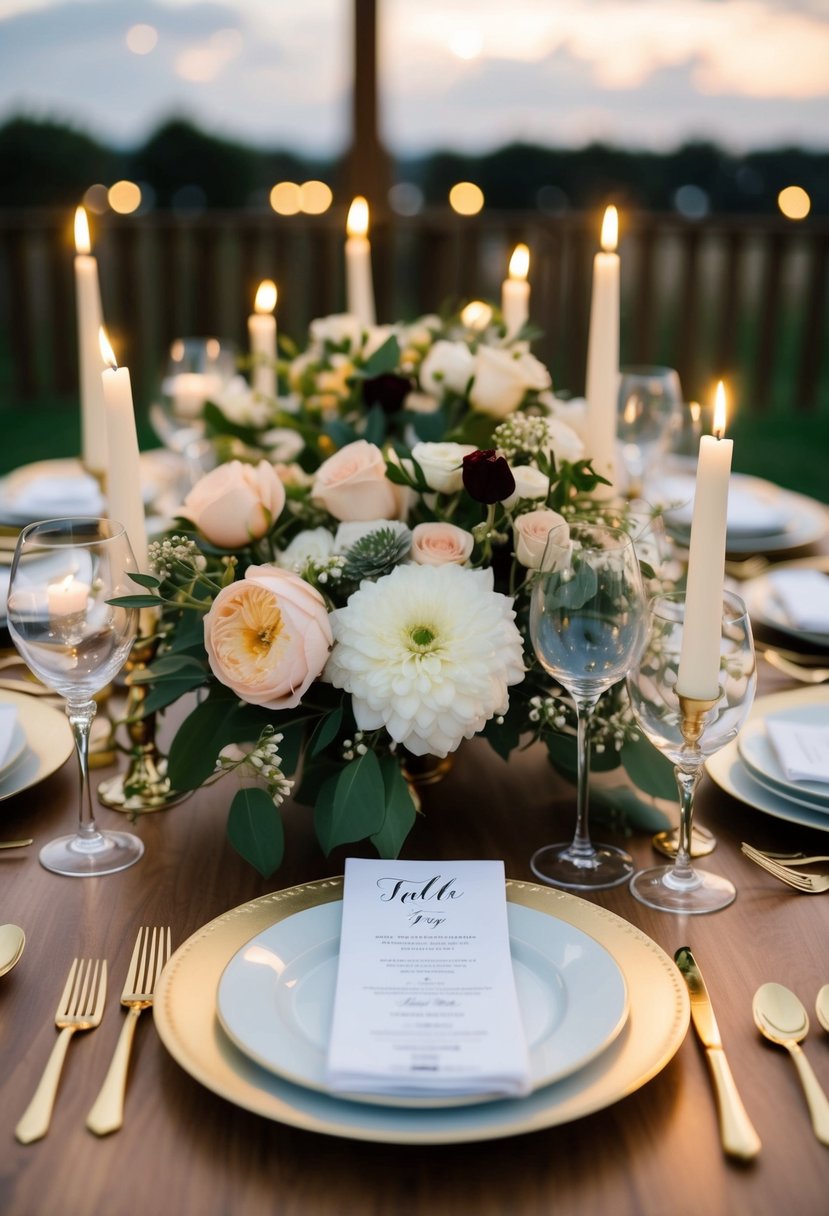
(686, 731)
(650, 399)
(75, 641)
(197, 370)
(587, 614)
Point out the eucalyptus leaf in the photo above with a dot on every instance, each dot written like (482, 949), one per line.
(572, 592)
(254, 828)
(375, 428)
(385, 359)
(326, 731)
(144, 580)
(357, 808)
(649, 769)
(563, 753)
(400, 813)
(503, 737)
(136, 601)
(429, 428)
(637, 815)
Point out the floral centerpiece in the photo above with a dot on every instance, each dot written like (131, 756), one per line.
(348, 592)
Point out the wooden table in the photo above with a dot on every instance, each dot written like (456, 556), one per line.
(185, 1151)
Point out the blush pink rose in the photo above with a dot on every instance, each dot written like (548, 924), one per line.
(530, 533)
(235, 503)
(438, 544)
(352, 484)
(267, 637)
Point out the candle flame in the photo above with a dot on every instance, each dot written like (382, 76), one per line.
(357, 222)
(107, 353)
(610, 229)
(61, 587)
(631, 411)
(519, 263)
(265, 296)
(82, 242)
(719, 410)
(476, 315)
(696, 411)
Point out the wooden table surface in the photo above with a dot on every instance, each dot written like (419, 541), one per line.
(184, 1150)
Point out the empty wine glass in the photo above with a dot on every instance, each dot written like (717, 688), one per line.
(197, 370)
(75, 641)
(687, 731)
(587, 615)
(650, 399)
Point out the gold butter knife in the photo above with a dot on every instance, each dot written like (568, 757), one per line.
(739, 1139)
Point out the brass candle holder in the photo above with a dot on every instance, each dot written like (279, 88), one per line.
(692, 723)
(145, 786)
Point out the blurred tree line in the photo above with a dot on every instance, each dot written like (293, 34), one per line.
(49, 164)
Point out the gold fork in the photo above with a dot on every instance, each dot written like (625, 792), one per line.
(81, 1007)
(809, 884)
(792, 859)
(797, 671)
(152, 949)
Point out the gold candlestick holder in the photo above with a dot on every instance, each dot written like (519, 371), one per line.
(692, 723)
(145, 786)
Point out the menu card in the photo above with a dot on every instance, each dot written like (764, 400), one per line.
(803, 751)
(426, 999)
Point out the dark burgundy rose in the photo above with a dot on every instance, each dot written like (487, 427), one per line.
(387, 390)
(487, 477)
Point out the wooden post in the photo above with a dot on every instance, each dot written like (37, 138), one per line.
(367, 169)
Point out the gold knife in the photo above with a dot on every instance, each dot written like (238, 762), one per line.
(739, 1139)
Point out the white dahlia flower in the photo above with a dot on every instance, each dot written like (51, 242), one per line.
(428, 652)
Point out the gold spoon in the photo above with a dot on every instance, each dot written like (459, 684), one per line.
(15, 844)
(781, 1017)
(12, 941)
(822, 1007)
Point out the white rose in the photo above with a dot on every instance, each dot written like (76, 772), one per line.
(348, 534)
(439, 544)
(442, 464)
(530, 533)
(421, 403)
(573, 412)
(240, 404)
(420, 332)
(565, 444)
(313, 543)
(503, 378)
(338, 328)
(283, 444)
(530, 482)
(448, 365)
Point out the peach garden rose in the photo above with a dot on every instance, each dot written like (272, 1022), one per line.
(235, 503)
(352, 484)
(267, 637)
(437, 544)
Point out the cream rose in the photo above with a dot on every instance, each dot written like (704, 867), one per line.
(235, 503)
(530, 533)
(442, 464)
(530, 482)
(267, 637)
(239, 403)
(337, 329)
(564, 443)
(448, 365)
(352, 484)
(438, 544)
(313, 543)
(503, 378)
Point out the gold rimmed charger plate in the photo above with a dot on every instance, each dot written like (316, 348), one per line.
(48, 738)
(185, 1014)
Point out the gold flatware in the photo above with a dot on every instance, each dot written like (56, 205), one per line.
(739, 1139)
(15, 844)
(791, 859)
(151, 952)
(809, 884)
(822, 1007)
(81, 1007)
(12, 941)
(751, 567)
(797, 671)
(780, 1016)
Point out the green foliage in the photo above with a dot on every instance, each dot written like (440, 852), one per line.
(375, 554)
(649, 769)
(400, 813)
(352, 805)
(254, 828)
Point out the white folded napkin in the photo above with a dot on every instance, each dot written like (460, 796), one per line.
(48, 495)
(8, 718)
(804, 597)
(426, 1000)
(750, 513)
(803, 751)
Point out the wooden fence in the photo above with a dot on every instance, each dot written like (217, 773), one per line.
(741, 297)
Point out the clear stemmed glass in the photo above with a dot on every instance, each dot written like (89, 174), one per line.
(63, 574)
(650, 399)
(197, 370)
(688, 731)
(587, 614)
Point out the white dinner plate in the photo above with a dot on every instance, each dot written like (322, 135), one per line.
(757, 753)
(803, 521)
(766, 609)
(729, 772)
(87, 500)
(184, 1011)
(17, 746)
(49, 743)
(276, 998)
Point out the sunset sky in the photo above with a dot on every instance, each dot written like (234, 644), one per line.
(469, 74)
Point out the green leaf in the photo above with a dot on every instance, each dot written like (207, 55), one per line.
(326, 730)
(573, 592)
(136, 601)
(563, 753)
(503, 737)
(200, 738)
(357, 808)
(375, 428)
(477, 429)
(649, 769)
(218, 423)
(429, 428)
(189, 632)
(339, 432)
(400, 813)
(385, 359)
(639, 816)
(314, 775)
(169, 666)
(254, 828)
(145, 580)
(165, 694)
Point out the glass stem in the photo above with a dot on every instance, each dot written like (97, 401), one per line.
(687, 780)
(584, 713)
(80, 717)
